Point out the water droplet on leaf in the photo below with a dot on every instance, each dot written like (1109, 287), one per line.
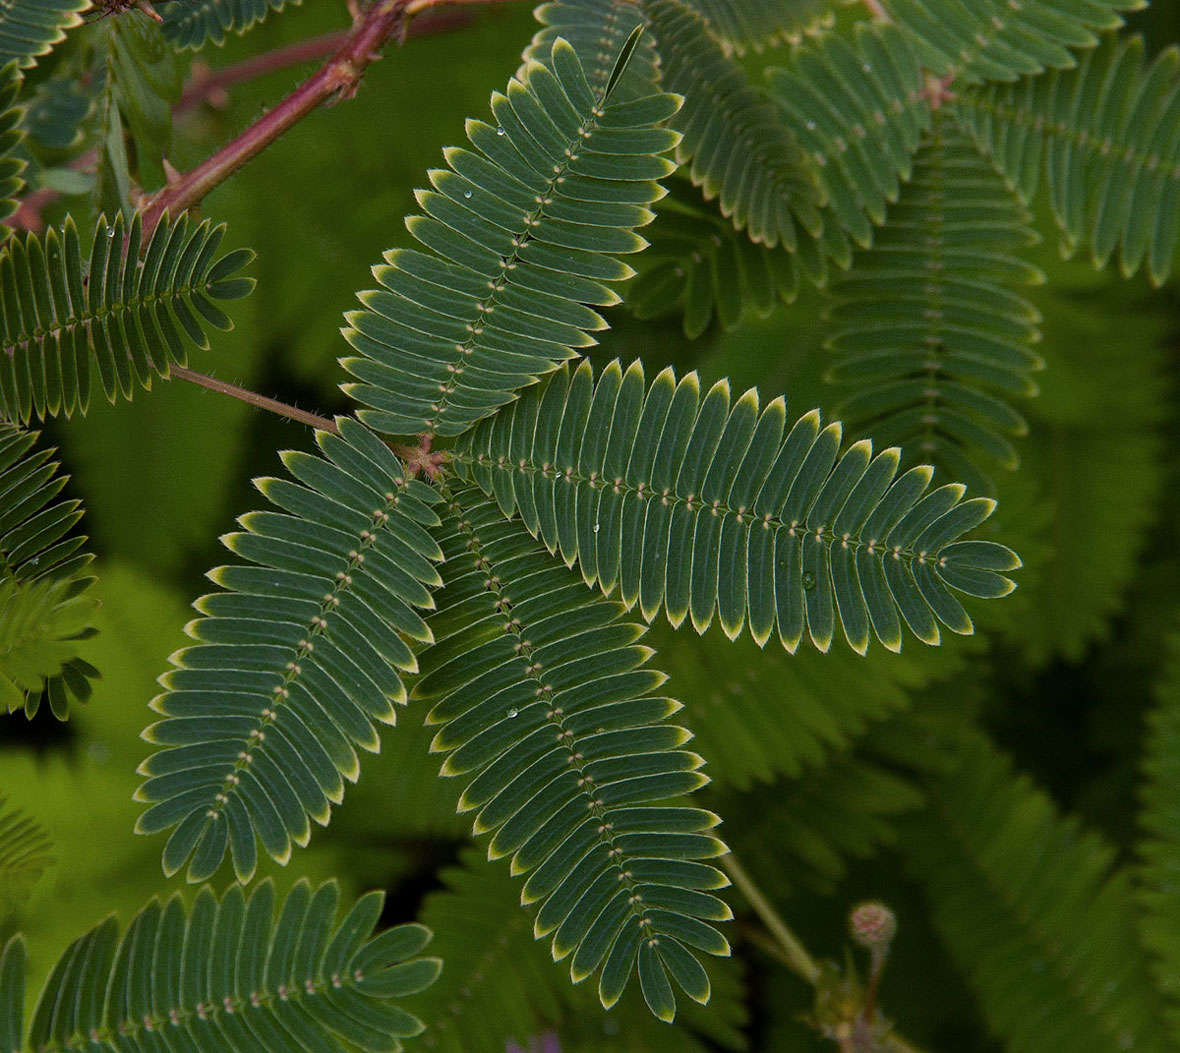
(110, 232)
(811, 126)
(808, 580)
(512, 713)
(499, 131)
(467, 193)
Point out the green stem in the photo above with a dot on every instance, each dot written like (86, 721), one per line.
(796, 954)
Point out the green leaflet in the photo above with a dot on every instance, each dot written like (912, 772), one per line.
(743, 25)
(195, 23)
(44, 607)
(26, 852)
(227, 974)
(760, 715)
(1033, 910)
(737, 149)
(738, 518)
(858, 109)
(974, 40)
(11, 139)
(597, 31)
(930, 341)
(296, 661)
(520, 236)
(31, 28)
(699, 267)
(142, 77)
(499, 986)
(1106, 136)
(130, 310)
(1159, 900)
(544, 704)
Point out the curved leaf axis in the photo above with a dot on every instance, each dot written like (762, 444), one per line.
(43, 573)
(195, 23)
(521, 235)
(546, 706)
(737, 149)
(228, 975)
(1106, 135)
(737, 517)
(930, 343)
(133, 307)
(297, 663)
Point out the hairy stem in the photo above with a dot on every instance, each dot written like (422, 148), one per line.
(795, 953)
(223, 387)
(211, 85)
(337, 78)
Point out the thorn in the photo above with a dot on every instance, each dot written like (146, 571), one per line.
(171, 175)
(146, 7)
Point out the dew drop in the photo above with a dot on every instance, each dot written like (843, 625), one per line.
(868, 68)
(596, 528)
(811, 126)
(499, 131)
(110, 232)
(512, 713)
(808, 580)
(467, 193)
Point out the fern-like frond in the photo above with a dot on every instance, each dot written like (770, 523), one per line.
(1106, 137)
(597, 31)
(195, 23)
(858, 109)
(978, 40)
(931, 342)
(760, 715)
(1034, 912)
(131, 309)
(741, 25)
(31, 28)
(699, 267)
(26, 852)
(500, 988)
(704, 509)
(228, 975)
(296, 661)
(735, 147)
(44, 582)
(519, 237)
(12, 118)
(1159, 894)
(545, 706)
